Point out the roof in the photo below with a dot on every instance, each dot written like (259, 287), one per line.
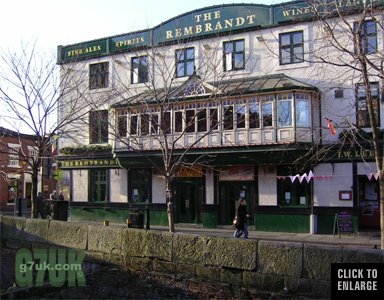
(243, 86)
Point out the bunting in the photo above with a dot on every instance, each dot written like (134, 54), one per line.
(373, 175)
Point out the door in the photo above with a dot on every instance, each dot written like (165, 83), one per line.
(369, 216)
(230, 193)
(188, 196)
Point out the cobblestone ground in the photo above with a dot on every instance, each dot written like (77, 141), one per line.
(111, 283)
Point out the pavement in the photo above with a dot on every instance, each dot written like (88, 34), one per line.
(369, 239)
(363, 239)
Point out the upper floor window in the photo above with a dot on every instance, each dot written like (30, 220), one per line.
(254, 114)
(185, 62)
(267, 110)
(234, 55)
(98, 126)
(303, 110)
(33, 154)
(368, 36)
(284, 110)
(362, 104)
(291, 47)
(122, 124)
(98, 75)
(139, 72)
(13, 155)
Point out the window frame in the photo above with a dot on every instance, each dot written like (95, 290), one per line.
(98, 131)
(230, 64)
(365, 36)
(296, 189)
(254, 116)
(183, 53)
(361, 101)
(139, 70)
(99, 75)
(96, 181)
(291, 46)
(285, 99)
(137, 181)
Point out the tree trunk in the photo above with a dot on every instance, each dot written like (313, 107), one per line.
(170, 206)
(35, 179)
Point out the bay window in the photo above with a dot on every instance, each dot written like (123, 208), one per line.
(284, 106)
(303, 110)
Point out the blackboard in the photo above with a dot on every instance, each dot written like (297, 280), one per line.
(343, 224)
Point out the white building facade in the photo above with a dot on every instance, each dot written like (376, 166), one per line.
(228, 102)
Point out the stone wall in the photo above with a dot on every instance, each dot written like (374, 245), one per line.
(303, 269)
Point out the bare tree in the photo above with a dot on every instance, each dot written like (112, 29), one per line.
(343, 54)
(160, 91)
(30, 93)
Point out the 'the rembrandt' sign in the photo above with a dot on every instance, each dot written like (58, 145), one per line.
(215, 20)
(89, 163)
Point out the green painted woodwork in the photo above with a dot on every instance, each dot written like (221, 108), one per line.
(206, 22)
(282, 223)
(114, 215)
(325, 223)
(209, 219)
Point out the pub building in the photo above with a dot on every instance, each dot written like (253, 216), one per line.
(231, 95)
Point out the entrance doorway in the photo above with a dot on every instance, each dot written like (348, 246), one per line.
(230, 193)
(188, 196)
(369, 209)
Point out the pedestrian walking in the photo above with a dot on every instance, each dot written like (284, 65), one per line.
(242, 216)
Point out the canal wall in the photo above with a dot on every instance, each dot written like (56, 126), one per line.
(271, 266)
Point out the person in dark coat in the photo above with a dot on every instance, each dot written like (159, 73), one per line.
(242, 216)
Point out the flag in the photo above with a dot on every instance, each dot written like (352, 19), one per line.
(330, 126)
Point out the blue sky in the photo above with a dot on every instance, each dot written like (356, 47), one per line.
(52, 22)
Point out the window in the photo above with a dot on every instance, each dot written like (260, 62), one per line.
(234, 55)
(254, 114)
(140, 185)
(228, 117)
(368, 36)
(213, 118)
(185, 62)
(292, 193)
(266, 110)
(98, 75)
(133, 125)
(178, 121)
(139, 73)
(291, 47)
(155, 123)
(190, 120)
(284, 106)
(144, 124)
(362, 105)
(166, 122)
(202, 120)
(122, 125)
(98, 185)
(33, 154)
(303, 110)
(13, 155)
(240, 116)
(98, 123)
